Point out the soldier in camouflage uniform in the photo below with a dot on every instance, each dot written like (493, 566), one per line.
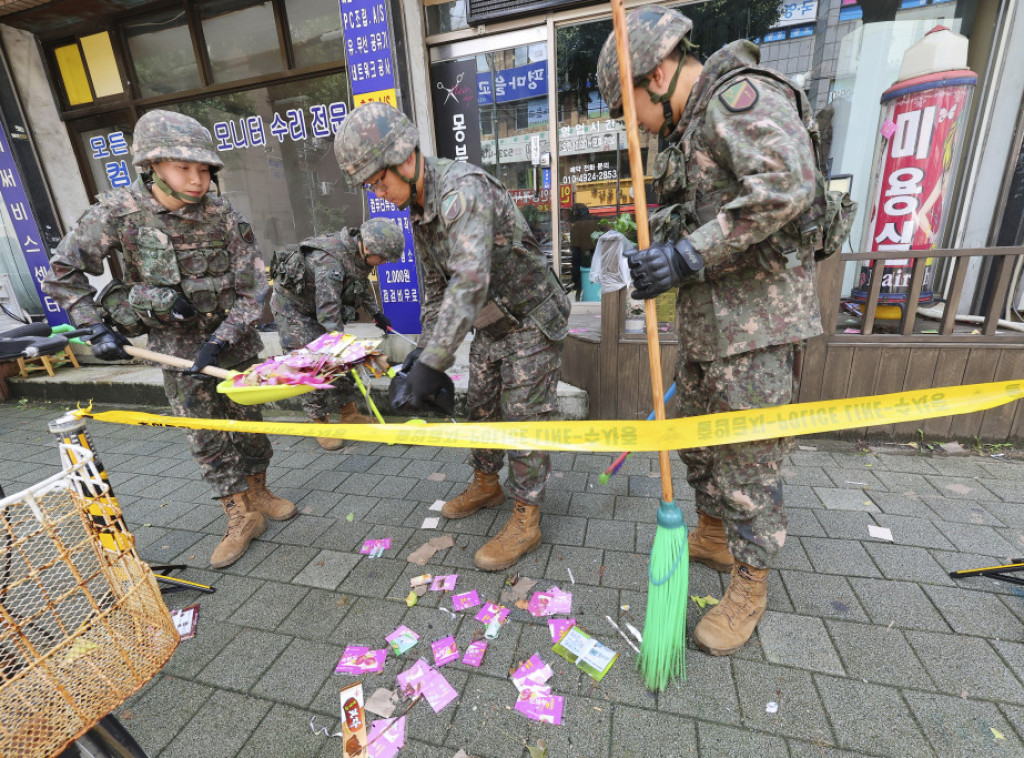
(318, 288)
(194, 281)
(480, 269)
(735, 234)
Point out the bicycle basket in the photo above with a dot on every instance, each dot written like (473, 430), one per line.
(82, 623)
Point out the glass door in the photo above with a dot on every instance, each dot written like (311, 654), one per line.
(491, 108)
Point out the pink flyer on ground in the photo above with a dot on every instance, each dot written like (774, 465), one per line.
(443, 583)
(475, 653)
(421, 679)
(402, 639)
(389, 742)
(465, 600)
(490, 610)
(533, 672)
(559, 627)
(539, 704)
(445, 651)
(550, 603)
(370, 545)
(360, 660)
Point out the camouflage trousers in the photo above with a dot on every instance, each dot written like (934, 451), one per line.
(224, 458)
(740, 483)
(296, 330)
(515, 378)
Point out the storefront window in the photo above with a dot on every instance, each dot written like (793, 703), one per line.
(277, 144)
(108, 151)
(316, 31)
(161, 49)
(446, 16)
(241, 39)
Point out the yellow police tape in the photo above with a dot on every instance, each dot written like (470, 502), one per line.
(633, 436)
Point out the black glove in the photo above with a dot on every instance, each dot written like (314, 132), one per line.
(208, 355)
(410, 360)
(661, 267)
(183, 310)
(431, 389)
(383, 322)
(107, 345)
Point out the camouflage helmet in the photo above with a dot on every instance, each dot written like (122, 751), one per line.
(374, 137)
(654, 32)
(168, 136)
(383, 237)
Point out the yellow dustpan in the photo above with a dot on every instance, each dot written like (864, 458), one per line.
(241, 395)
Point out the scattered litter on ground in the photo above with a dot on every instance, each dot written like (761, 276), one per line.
(559, 627)
(444, 582)
(361, 660)
(953, 448)
(588, 655)
(703, 602)
(402, 639)
(997, 734)
(445, 651)
(322, 730)
(412, 598)
(627, 639)
(880, 532)
(350, 517)
(516, 588)
(436, 505)
(375, 548)
(185, 620)
(571, 577)
(550, 603)
(442, 608)
(475, 653)
(465, 600)
(353, 718)
(421, 679)
(386, 737)
(430, 523)
(437, 476)
(772, 707)
(635, 632)
(382, 702)
(426, 551)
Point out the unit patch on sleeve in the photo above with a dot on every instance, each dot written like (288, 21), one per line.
(740, 96)
(452, 206)
(245, 232)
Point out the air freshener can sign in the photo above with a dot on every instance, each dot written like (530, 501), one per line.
(921, 131)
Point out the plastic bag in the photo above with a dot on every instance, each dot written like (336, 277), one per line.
(609, 267)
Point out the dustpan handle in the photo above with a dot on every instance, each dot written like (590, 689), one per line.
(173, 360)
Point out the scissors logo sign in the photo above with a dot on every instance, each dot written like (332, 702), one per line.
(453, 92)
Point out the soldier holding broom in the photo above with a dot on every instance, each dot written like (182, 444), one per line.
(194, 281)
(735, 182)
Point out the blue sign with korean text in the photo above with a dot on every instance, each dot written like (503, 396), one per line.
(519, 83)
(370, 70)
(26, 230)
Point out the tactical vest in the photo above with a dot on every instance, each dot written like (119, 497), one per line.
(176, 257)
(522, 287)
(294, 279)
(681, 213)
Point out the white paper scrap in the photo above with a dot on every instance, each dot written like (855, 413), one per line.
(437, 505)
(880, 532)
(430, 523)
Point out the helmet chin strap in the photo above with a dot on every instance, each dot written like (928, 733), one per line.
(411, 182)
(665, 98)
(166, 189)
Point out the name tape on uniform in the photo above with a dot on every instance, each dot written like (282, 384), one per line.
(632, 436)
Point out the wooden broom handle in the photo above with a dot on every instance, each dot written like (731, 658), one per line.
(173, 360)
(636, 168)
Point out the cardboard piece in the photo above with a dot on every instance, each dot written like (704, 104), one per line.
(426, 551)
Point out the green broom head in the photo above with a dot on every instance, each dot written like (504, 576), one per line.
(662, 650)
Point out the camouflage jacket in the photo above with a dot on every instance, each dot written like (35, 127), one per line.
(480, 265)
(205, 252)
(332, 283)
(738, 173)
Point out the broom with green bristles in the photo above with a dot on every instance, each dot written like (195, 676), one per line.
(662, 650)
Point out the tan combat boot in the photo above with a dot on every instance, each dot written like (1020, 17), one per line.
(266, 502)
(483, 492)
(707, 544)
(351, 415)
(328, 443)
(244, 525)
(519, 536)
(727, 627)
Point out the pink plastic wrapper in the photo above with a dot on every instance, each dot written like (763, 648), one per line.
(559, 627)
(490, 610)
(465, 600)
(549, 603)
(539, 704)
(360, 660)
(475, 653)
(421, 679)
(445, 651)
(370, 545)
(443, 582)
(533, 672)
(390, 743)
